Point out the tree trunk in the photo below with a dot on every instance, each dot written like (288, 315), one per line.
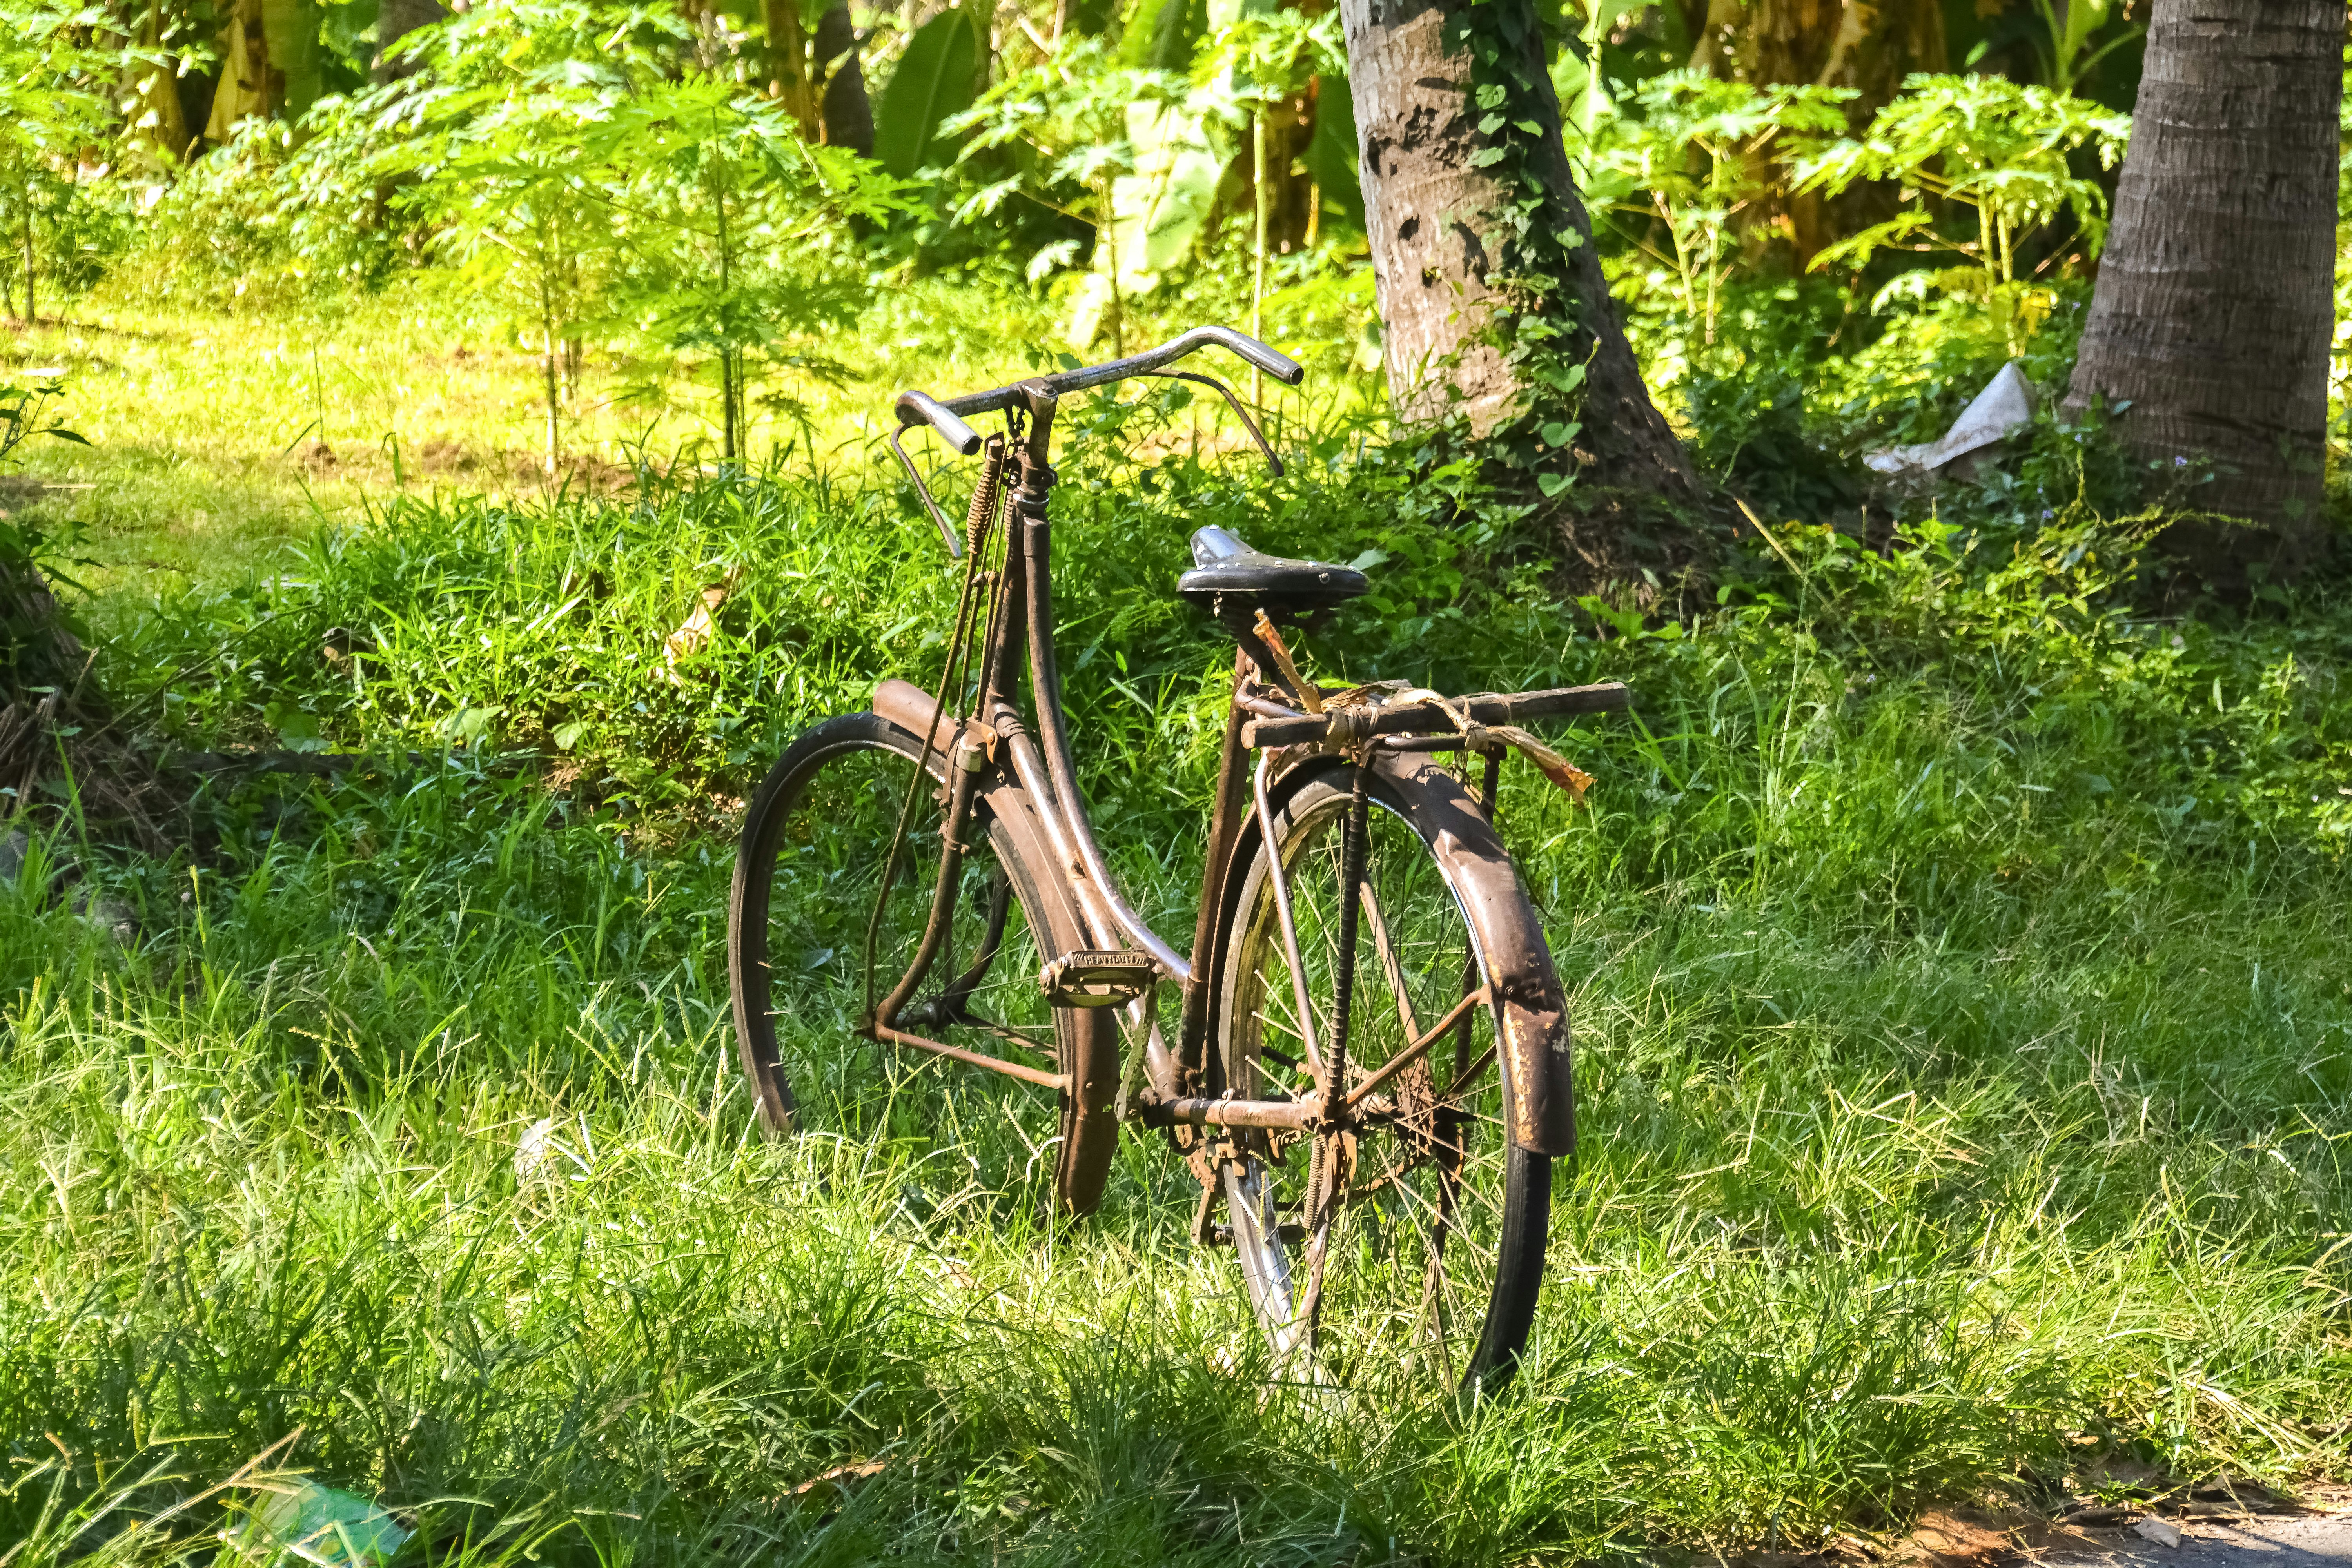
(2214, 309)
(846, 113)
(1489, 287)
(395, 19)
(788, 74)
(1868, 47)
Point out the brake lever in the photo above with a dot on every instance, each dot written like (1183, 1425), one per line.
(1232, 402)
(955, 546)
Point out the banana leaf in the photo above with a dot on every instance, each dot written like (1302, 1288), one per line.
(1163, 34)
(1157, 211)
(291, 30)
(937, 77)
(1331, 156)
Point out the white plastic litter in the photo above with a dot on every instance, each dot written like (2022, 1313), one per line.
(2005, 404)
(531, 1152)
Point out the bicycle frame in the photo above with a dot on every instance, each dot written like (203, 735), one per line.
(995, 735)
(990, 749)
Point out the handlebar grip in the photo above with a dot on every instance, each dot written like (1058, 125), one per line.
(1272, 360)
(922, 408)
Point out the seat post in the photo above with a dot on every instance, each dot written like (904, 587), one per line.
(1036, 472)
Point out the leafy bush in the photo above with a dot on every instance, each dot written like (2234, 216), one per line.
(36, 641)
(248, 229)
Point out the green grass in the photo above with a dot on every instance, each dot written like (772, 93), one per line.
(1956, 959)
(205, 426)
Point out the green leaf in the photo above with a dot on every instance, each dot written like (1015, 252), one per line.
(1561, 379)
(1162, 34)
(1331, 156)
(291, 28)
(1158, 210)
(935, 78)
(567, 736)
(1552, 484)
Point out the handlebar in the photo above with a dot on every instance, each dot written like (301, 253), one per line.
(949, 418)
(922, 408)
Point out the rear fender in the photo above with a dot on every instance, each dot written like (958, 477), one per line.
(1534, 1042)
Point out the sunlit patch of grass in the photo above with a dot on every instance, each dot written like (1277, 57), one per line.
(1955, 962)
(216, 438)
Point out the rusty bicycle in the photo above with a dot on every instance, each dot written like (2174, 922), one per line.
(1369, 1071)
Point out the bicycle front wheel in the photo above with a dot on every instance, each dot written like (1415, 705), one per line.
(1417, 1239)
(808, 876)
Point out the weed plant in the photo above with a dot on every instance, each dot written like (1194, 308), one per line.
(1955, 952)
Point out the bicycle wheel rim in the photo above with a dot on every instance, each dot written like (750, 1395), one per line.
(814, 844)
(1433, 1269)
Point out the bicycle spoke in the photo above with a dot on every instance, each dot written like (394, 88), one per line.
(1408, 1253)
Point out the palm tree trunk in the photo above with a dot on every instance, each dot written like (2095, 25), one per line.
(2214, 310)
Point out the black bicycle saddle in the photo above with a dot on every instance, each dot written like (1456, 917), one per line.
(1225, 567)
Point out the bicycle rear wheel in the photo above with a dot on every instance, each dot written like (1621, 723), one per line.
(1432, 1221)
(807, 874)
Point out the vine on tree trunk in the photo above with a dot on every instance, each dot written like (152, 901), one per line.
(1538, 318)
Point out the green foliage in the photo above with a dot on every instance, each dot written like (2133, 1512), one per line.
(548, 147)
(1696, 155)
(935, 78)
(1989, 145)
(62, 69)
(30, 553)
(1332, 157)
(1074, 128)
(1161, 35)
(737, 233)
(2067, 54)
(1266, 57)
(249, 228)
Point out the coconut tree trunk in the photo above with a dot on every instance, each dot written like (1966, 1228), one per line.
(2214, 309)
(1489, 287)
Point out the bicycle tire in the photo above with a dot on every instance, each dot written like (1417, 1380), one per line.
(1417, 811)
(842, 855)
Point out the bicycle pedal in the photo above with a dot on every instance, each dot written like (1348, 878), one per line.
(1091, 978)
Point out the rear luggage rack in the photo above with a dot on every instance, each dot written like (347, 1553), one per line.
(1425, 718)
